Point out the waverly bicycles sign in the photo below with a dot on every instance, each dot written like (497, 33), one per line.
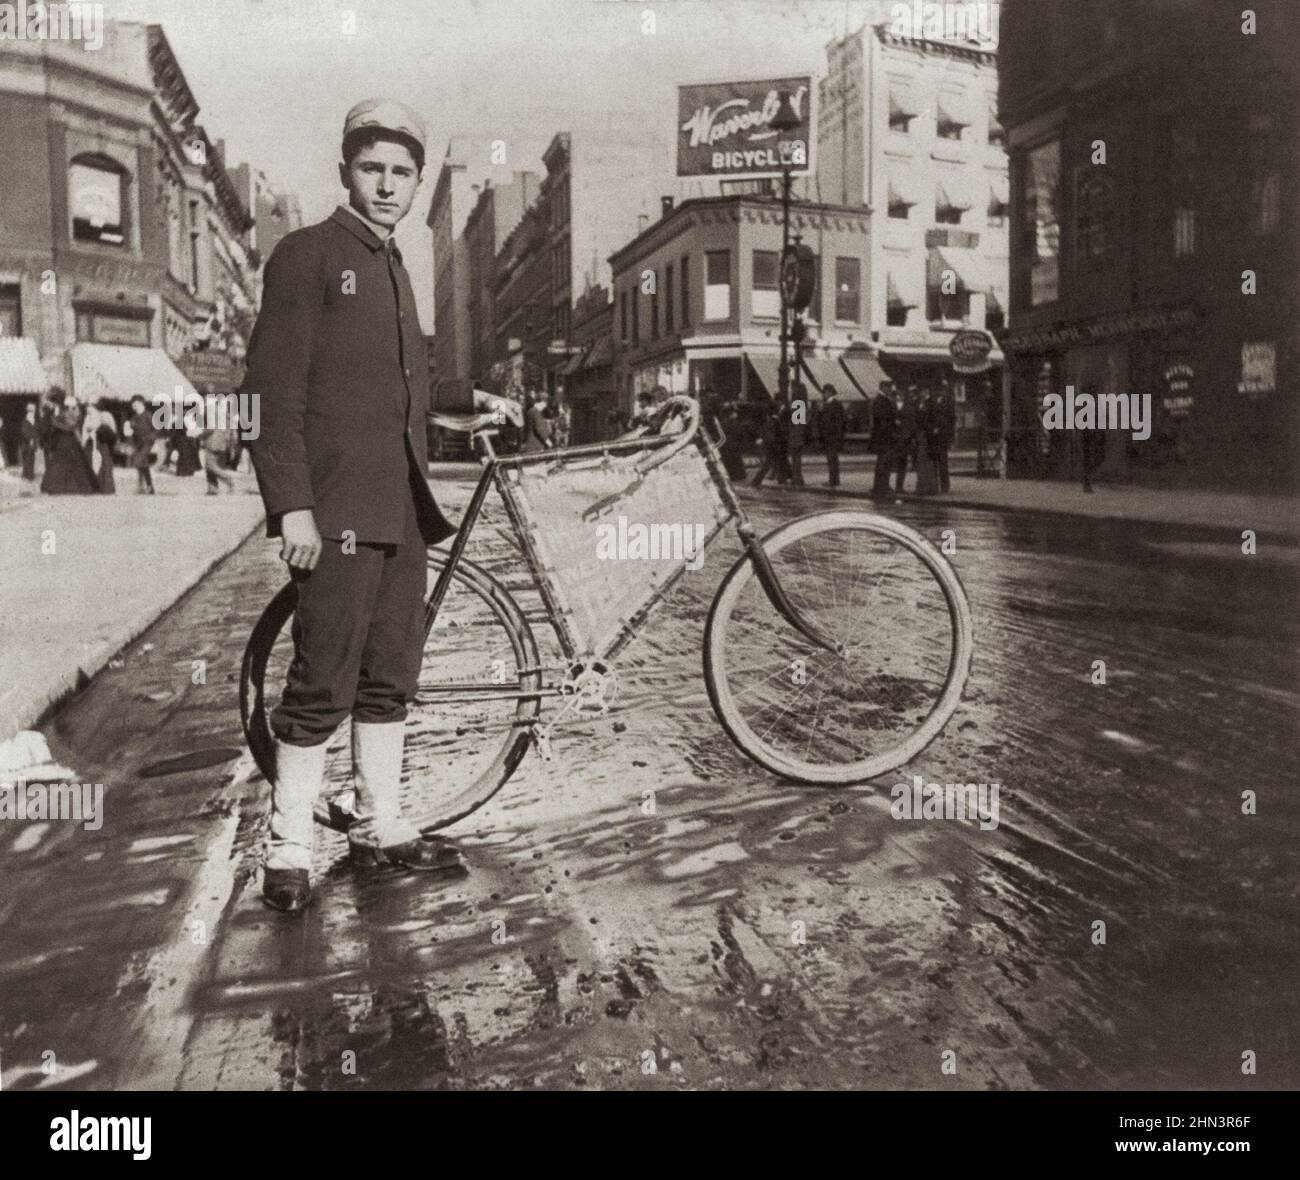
(724, 128)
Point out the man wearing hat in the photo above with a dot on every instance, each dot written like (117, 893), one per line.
(338, 360)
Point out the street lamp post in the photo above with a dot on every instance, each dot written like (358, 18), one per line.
(785, 120)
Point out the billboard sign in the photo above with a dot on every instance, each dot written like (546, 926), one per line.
(723, 128)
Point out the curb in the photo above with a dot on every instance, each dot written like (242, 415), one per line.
(32, 711)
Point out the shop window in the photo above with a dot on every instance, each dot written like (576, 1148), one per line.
(766, 295)
(97, 195)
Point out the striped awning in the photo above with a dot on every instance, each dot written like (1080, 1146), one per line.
(20, 366)
(121, 372)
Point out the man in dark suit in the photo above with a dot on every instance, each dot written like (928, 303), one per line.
(832, 426)
(884, 428)
(339, 363)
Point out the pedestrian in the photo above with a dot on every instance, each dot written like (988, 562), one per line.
(105, 442)
(884, 431)
(905, 435)
(67, 469)
(732, 449)
(940, 426)
(1093, 446)
(140, 430)
(30, 441)
(186, 443)
(797, 432)
(215, 445)
(832, 432)
(538, 429)
(775, 442)
(342, 466)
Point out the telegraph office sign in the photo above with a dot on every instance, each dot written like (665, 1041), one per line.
(723, 128)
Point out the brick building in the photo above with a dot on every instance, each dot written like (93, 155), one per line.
(1153, 162)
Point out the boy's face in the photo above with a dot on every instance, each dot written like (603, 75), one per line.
(381, 180)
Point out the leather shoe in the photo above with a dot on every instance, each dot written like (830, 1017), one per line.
(288, 890)
(420, 855)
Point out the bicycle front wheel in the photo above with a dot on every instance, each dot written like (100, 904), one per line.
(898, 616)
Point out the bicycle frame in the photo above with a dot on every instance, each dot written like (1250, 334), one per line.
(494, 475)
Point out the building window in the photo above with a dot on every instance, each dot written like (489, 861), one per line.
(97, 194)
(1041, 228)
(717, 284)
(1094, 216)
(11, 311)
(999, 206)
(900, 201)
(668, 299)
(947, 306)
(636, 315)
(1266, 203)
(686, 291)
(814, 312)
(622, 316)
(654, 306)
(194, 245)
(848, 290)
(997, 133)
(949, 122)
(1184, 233)
(949, 204)
(902, 110)
(765, 295)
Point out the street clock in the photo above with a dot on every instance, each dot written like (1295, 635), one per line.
(798, 277)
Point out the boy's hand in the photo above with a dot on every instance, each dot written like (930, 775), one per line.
(499, 407)
(302, 544)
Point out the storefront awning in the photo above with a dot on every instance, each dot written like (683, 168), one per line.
(121, 372)
(768, 369)
(20, 366)
(572, 365)
(966, 270)
(864, 373)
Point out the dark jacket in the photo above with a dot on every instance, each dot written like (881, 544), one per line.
(832, 425)
(884, 423)
(340, 363)
(537, 429)
(940, 420)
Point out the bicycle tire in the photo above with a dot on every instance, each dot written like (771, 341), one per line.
(743, 575)
(436, 810)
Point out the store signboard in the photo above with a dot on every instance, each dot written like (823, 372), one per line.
(724, 128)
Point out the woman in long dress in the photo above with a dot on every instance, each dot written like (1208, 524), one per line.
(67, 470)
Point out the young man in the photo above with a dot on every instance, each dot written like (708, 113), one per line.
(339, 362)
(832, 424)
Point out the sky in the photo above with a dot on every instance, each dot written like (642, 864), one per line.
(274, 78)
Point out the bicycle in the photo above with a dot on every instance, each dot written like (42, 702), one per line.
(789, 665)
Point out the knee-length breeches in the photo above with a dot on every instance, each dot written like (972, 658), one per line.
(358, 637)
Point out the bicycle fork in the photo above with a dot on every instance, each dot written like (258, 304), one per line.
(776, 595)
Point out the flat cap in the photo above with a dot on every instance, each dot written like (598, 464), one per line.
(386, 115)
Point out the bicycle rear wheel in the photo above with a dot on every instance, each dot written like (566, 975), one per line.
(469, 726)
(899, 618)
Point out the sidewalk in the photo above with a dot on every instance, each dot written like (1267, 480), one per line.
(1230, 510)
(118, 562)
